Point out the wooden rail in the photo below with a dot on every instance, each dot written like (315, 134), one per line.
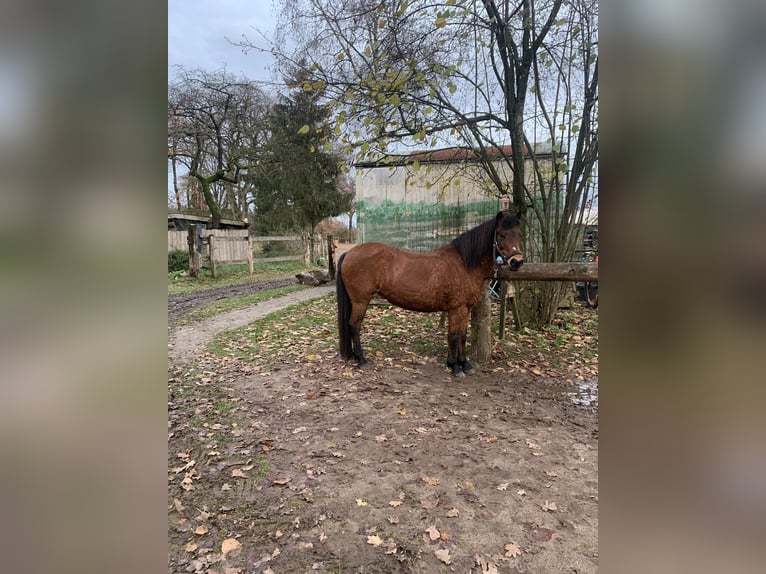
(584, 271)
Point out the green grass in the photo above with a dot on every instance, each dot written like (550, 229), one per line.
(307, 333)
(232, 274)
(237, 302)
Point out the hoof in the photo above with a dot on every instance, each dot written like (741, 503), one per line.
(458, 374)
(468, 369)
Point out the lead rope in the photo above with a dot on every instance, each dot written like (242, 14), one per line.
(499, 260)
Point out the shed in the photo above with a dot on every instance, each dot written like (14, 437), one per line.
(422, 200)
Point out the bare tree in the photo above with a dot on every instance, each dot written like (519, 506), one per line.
(215, 127)
(474, 73)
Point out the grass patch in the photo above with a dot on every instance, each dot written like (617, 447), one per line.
(232, 274)
(308, 332)
(237, 302)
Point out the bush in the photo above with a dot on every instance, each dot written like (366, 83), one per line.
(178, 261)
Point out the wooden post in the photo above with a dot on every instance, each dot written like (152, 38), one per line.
(249, 254)
(331, 256)
(306, 250)
(193, 252)
(481, 329)
(212, 243)
(503, 307)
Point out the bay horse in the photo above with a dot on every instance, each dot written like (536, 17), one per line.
(447, 279)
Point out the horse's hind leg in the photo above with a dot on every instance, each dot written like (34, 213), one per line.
(357, 315)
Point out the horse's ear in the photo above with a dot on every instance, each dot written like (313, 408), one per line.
(499, 218)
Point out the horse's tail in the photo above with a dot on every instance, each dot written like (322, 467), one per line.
(344, 312)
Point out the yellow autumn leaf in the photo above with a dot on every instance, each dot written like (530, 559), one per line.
(305, 129)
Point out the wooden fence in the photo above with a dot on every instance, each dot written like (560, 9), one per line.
(209, 247)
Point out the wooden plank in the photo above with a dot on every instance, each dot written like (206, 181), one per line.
(275, 259)
(551, 272)
(263, 238)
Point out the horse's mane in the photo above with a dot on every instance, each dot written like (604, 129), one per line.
(474, 244)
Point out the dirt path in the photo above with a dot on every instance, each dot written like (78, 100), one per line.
(184, 341)
(180, 304)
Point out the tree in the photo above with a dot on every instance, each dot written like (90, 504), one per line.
(297, 179)
(215, 128)
(479, 74)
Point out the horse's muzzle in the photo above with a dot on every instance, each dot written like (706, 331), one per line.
(515, 262)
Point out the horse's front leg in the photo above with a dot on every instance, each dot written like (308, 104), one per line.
(456, 336)
(461, 358)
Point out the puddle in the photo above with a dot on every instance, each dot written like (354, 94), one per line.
(586, 394)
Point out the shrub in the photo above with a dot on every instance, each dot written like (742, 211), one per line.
(178, 261)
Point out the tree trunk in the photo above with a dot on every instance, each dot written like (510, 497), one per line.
(207, 193)
(481, 328)
(175, 184)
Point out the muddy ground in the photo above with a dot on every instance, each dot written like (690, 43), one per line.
(322, 467)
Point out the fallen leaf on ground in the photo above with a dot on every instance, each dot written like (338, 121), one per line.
(190, 547)
(549, 506)
(401, 411)
(486, 566)
(178, 506)
(466, 485)
(225, 487)
(443, 555)
(238, 473)
(433, 533)
(395, 503)
(201, 530)
(503, 486)
(374, 540)
(393, 520)
(230, 546)
(360, 502)
(551, 473)
(430, 480)
(512, 550)
(281, 481)
(521, 492)
(453, 513)
(429, 503)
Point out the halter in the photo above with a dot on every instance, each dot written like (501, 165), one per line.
(499, 259)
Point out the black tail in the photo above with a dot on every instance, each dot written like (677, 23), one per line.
(344, 312)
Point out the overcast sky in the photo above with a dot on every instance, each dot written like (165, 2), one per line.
(198, 31)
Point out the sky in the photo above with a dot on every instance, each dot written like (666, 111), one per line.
(198, 31)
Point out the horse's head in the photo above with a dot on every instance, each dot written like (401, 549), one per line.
(508, 240)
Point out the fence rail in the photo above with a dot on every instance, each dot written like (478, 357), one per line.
(236, 245)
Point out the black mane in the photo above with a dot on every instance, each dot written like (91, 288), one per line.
(475, 244)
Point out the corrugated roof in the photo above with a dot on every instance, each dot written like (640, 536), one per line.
(445, 155)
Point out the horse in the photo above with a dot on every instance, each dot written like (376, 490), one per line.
(447, 279)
